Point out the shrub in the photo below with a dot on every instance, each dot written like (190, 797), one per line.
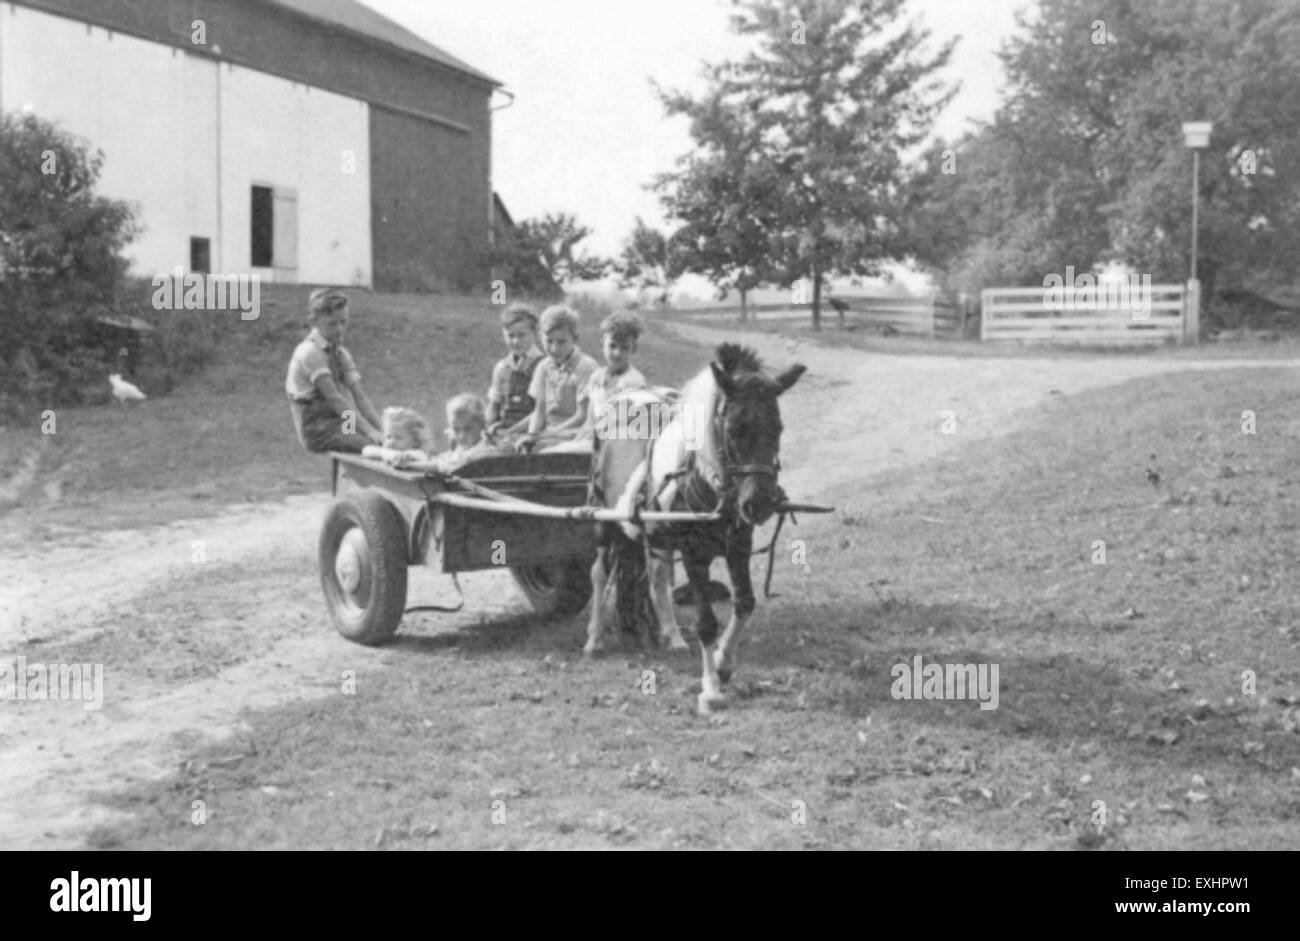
(61, 264)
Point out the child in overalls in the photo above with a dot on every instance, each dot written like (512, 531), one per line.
(509, 404)
(330, 410)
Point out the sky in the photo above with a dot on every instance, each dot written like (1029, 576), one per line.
(585, 131)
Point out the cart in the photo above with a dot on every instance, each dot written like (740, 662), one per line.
(526, 513)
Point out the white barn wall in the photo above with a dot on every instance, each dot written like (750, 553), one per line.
(289, 135)
(198, 154)
(122, 96)
(156, 113)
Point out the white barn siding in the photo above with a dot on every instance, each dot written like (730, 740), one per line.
(185, 139)
(293, 137)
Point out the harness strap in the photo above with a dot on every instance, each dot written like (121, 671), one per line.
(771, 558)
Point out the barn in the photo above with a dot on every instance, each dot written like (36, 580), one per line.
(309, 141)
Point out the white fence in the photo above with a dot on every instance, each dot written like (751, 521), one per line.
(1157, 313)
(924, 316)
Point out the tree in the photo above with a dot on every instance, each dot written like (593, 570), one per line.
(1085, 162)
(61, 261)
(726, 206)
(815, 118)
(555, 237)
(647, 262)
(543, 255)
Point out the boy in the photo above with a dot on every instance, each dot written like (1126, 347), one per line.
(560, 382)
(621, 331)
(324, 385)
(509, 404)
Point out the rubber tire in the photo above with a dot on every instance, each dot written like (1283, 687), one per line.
(372, 618)
(558, 588)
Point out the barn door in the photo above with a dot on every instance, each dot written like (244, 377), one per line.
(284, 249)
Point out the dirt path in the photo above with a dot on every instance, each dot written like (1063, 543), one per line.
(159, 700)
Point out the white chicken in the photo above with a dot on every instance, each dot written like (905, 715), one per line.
(123, 391)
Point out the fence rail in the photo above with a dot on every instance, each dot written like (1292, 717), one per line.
(1158, 314)
(913, 316)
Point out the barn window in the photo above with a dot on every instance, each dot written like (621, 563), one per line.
(200, 255)
(263, 226)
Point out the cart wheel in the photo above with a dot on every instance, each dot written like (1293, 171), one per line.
(555, 587)
(363, 566)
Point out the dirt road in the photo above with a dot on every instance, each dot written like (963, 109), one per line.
(199, 620)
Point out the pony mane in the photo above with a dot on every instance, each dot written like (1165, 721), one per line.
(734, 358)
(700, 395)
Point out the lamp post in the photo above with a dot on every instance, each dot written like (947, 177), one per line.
(1196, 135)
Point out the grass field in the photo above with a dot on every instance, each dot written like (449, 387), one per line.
(1121, 681)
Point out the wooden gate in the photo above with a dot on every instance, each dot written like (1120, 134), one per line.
(1103, 315)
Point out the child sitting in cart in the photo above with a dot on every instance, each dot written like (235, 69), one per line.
(467, 429)
(559, 384)
(509, 406)
(330, 410)
(621, 330)
(406, 439)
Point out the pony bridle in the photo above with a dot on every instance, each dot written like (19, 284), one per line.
(731, 470)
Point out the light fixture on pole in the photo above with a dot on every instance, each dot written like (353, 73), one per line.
(1196, 135)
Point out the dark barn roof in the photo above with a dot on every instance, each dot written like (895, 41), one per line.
(355, 17)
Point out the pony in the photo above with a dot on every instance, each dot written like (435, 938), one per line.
(718, 454)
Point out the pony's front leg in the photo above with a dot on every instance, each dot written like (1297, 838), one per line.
(628, 498)
(742, 601)
(706, 627)
(661, 596)
(596, 626)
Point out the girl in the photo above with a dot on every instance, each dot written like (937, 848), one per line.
(406, 439)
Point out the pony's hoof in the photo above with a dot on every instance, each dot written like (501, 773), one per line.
(674, 642)
(592, 650)
(706, 703)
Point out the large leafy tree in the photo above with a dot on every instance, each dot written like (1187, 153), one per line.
(1085, 162)
(816, 118)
